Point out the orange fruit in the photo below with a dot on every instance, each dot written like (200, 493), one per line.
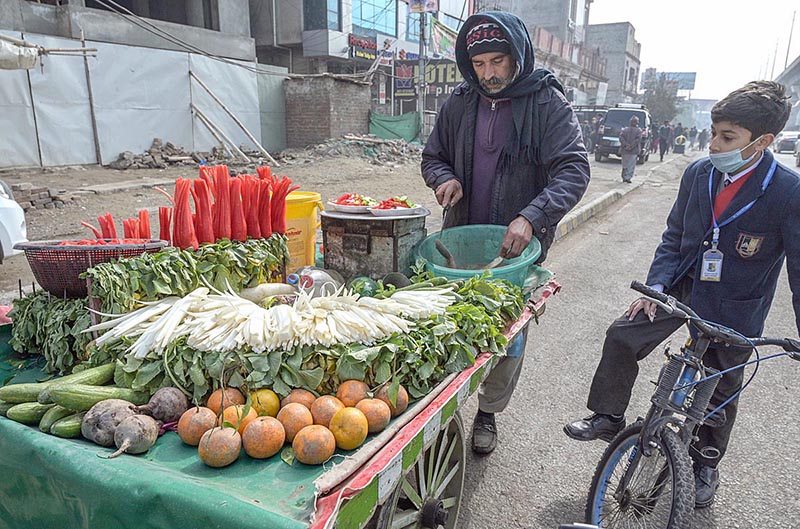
(350, 427)
(219, 447)
(266, 402)
(294, 417)
(313, 445)
(377, 412)
(303, 396)
(222, 399)
(194, 423)
(323, 409)
(235, 416)
(352, 391)
(402, 399)
(263, 437)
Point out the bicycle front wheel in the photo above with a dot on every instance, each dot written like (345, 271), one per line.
(660, 492)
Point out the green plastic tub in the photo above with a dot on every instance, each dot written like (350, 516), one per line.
(473, 247)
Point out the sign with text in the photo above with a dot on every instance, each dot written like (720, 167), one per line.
(362, 47)
(443, 40)
(423, 6)
(441, 78)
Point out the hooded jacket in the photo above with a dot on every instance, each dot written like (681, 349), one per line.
(543, 170)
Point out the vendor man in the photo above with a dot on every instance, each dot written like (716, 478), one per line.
(506, 149)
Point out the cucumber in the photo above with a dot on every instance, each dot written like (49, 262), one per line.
(52, 415)
(5, 406)
(28, 412)
(19, 393)
(96, 376)
(29, 392)
(68, 427)
(81, 397)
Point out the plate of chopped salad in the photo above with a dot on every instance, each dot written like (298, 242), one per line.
(395, 207)
(352, 203)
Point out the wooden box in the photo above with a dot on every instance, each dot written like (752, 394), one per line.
(365, 245)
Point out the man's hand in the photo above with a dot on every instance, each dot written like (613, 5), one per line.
(644, 304)
(518, 237)
(449, 193)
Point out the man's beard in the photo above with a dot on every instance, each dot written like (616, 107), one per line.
(494, 85)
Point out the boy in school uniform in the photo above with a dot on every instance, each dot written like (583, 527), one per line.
(738, 205)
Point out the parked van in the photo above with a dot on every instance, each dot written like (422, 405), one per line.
(617, 118)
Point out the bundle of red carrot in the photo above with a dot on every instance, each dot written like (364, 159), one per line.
(138, 228)
(225, 207)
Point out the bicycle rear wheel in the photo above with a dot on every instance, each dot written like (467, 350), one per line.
(660, 493)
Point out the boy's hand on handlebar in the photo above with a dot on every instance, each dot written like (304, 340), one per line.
(642, 304)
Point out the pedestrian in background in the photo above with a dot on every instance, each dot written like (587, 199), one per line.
(588, 131)
(506, 149)
(692, 136)
(664, 135)
(630, 142)
(702, 139)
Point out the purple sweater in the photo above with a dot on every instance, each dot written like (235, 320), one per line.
(492, 127)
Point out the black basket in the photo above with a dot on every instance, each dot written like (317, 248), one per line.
(57, 267)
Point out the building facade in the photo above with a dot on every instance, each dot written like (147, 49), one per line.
(622, 52)
(790, 77)
(558, 31)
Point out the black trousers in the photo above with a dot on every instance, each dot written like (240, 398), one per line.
(627, 342)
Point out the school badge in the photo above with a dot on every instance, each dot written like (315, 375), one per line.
(748, 245)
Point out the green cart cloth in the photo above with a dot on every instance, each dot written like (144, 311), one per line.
(49, 482)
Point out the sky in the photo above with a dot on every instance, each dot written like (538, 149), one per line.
(727, 42)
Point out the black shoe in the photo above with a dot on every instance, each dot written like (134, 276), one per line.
(484, 433)
(596, 426)
(706, 481)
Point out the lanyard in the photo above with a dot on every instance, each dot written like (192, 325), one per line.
(715, 236)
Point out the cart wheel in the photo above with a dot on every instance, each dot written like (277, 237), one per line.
(429, 495)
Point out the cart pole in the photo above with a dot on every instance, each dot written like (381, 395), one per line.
(421, 80)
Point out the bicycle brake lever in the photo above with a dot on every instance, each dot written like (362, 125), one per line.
(793, 351)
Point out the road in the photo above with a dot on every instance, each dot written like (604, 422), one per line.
(538, 477)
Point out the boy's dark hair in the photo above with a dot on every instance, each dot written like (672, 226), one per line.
(759, 106)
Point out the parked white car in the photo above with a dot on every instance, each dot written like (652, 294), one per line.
(12, 223)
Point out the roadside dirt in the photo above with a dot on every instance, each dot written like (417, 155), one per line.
(330, 177)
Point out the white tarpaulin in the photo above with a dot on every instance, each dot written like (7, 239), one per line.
(140, 94)
(13, 57)
(18, 145)
(234, 86)
(61, 103)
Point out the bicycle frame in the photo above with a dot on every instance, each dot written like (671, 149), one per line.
(677, 383)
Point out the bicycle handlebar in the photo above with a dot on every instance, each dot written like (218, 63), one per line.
(677, 309)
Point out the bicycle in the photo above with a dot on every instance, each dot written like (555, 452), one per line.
(645, 476)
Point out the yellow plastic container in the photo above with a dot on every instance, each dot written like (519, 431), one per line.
(301, 227)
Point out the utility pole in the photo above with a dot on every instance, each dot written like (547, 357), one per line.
(789, 46)
(774, 60)
(421, 88)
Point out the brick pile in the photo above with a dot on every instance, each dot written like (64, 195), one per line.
(160, 155)
(368, 147)
(31, 197)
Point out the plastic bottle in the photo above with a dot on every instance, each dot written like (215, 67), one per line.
(318, 281)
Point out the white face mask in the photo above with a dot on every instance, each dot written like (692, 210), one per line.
(731, 161)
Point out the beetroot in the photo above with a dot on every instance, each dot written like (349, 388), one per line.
(166, 405)
(101, 421)
(135, 435)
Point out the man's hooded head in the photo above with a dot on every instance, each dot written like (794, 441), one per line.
(489, 35)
